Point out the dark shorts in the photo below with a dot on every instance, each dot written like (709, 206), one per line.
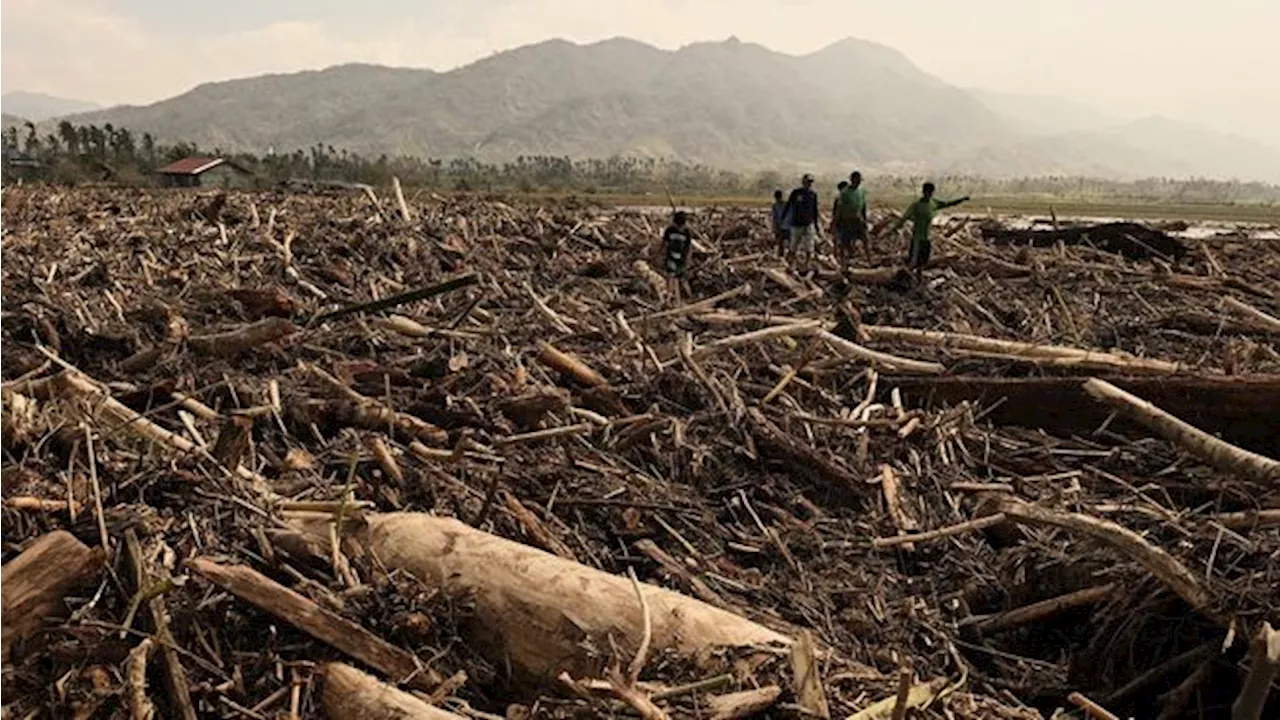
(675, 266)
(849, 233)
(919, 255)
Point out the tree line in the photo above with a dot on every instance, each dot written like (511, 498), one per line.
(72, 154)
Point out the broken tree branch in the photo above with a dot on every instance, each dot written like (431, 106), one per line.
(272, 597)
(1158, 562)
(1213, 451)
(1264, 654)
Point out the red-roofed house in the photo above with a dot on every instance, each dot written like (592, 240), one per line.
(205, 172)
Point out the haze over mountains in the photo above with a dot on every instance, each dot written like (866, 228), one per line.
(727, 104)
(39, 106)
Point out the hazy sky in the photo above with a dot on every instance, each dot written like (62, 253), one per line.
(1213, 62)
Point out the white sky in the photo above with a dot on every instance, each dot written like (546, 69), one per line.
(1211, 62)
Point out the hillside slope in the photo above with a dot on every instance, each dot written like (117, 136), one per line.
(728, 104)
(39, 106)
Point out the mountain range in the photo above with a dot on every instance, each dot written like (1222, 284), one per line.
(727, 104)
(39, 106)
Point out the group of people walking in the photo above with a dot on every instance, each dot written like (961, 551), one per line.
(797, 228)
(797, 223)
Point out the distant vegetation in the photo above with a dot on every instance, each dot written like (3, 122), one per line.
(88, 153)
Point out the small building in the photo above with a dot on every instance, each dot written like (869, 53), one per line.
(205, 172)
(20, 166)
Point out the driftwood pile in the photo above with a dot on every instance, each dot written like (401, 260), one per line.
(290, 456)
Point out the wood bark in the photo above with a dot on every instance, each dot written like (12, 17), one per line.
(1219, 453)
(528, 409)
(33, 585)
(543, 613)
(349, 694)
(233, 440)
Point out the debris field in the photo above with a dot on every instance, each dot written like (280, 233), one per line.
(276, 455)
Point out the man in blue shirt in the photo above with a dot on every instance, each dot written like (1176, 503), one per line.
(802, 207)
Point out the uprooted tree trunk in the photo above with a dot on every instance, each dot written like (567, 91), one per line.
(542, 613)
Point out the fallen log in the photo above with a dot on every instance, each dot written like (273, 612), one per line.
(1059, 405)
(1213, 451)
(892, 491)
(175, 676)
(1134, 241)
(542, 613)
(697, 307)
(1022, 351)
(365, 412)
(32, 585)
(350, 693)
(802, 329)
(270, 596)
(140, 706)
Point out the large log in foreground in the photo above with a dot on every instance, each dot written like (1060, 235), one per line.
(541, 612)
(1230, 407)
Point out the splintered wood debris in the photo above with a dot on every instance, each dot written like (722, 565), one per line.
(468, 460)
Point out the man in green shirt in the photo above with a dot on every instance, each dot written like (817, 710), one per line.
(850, 220)
(921, 213)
